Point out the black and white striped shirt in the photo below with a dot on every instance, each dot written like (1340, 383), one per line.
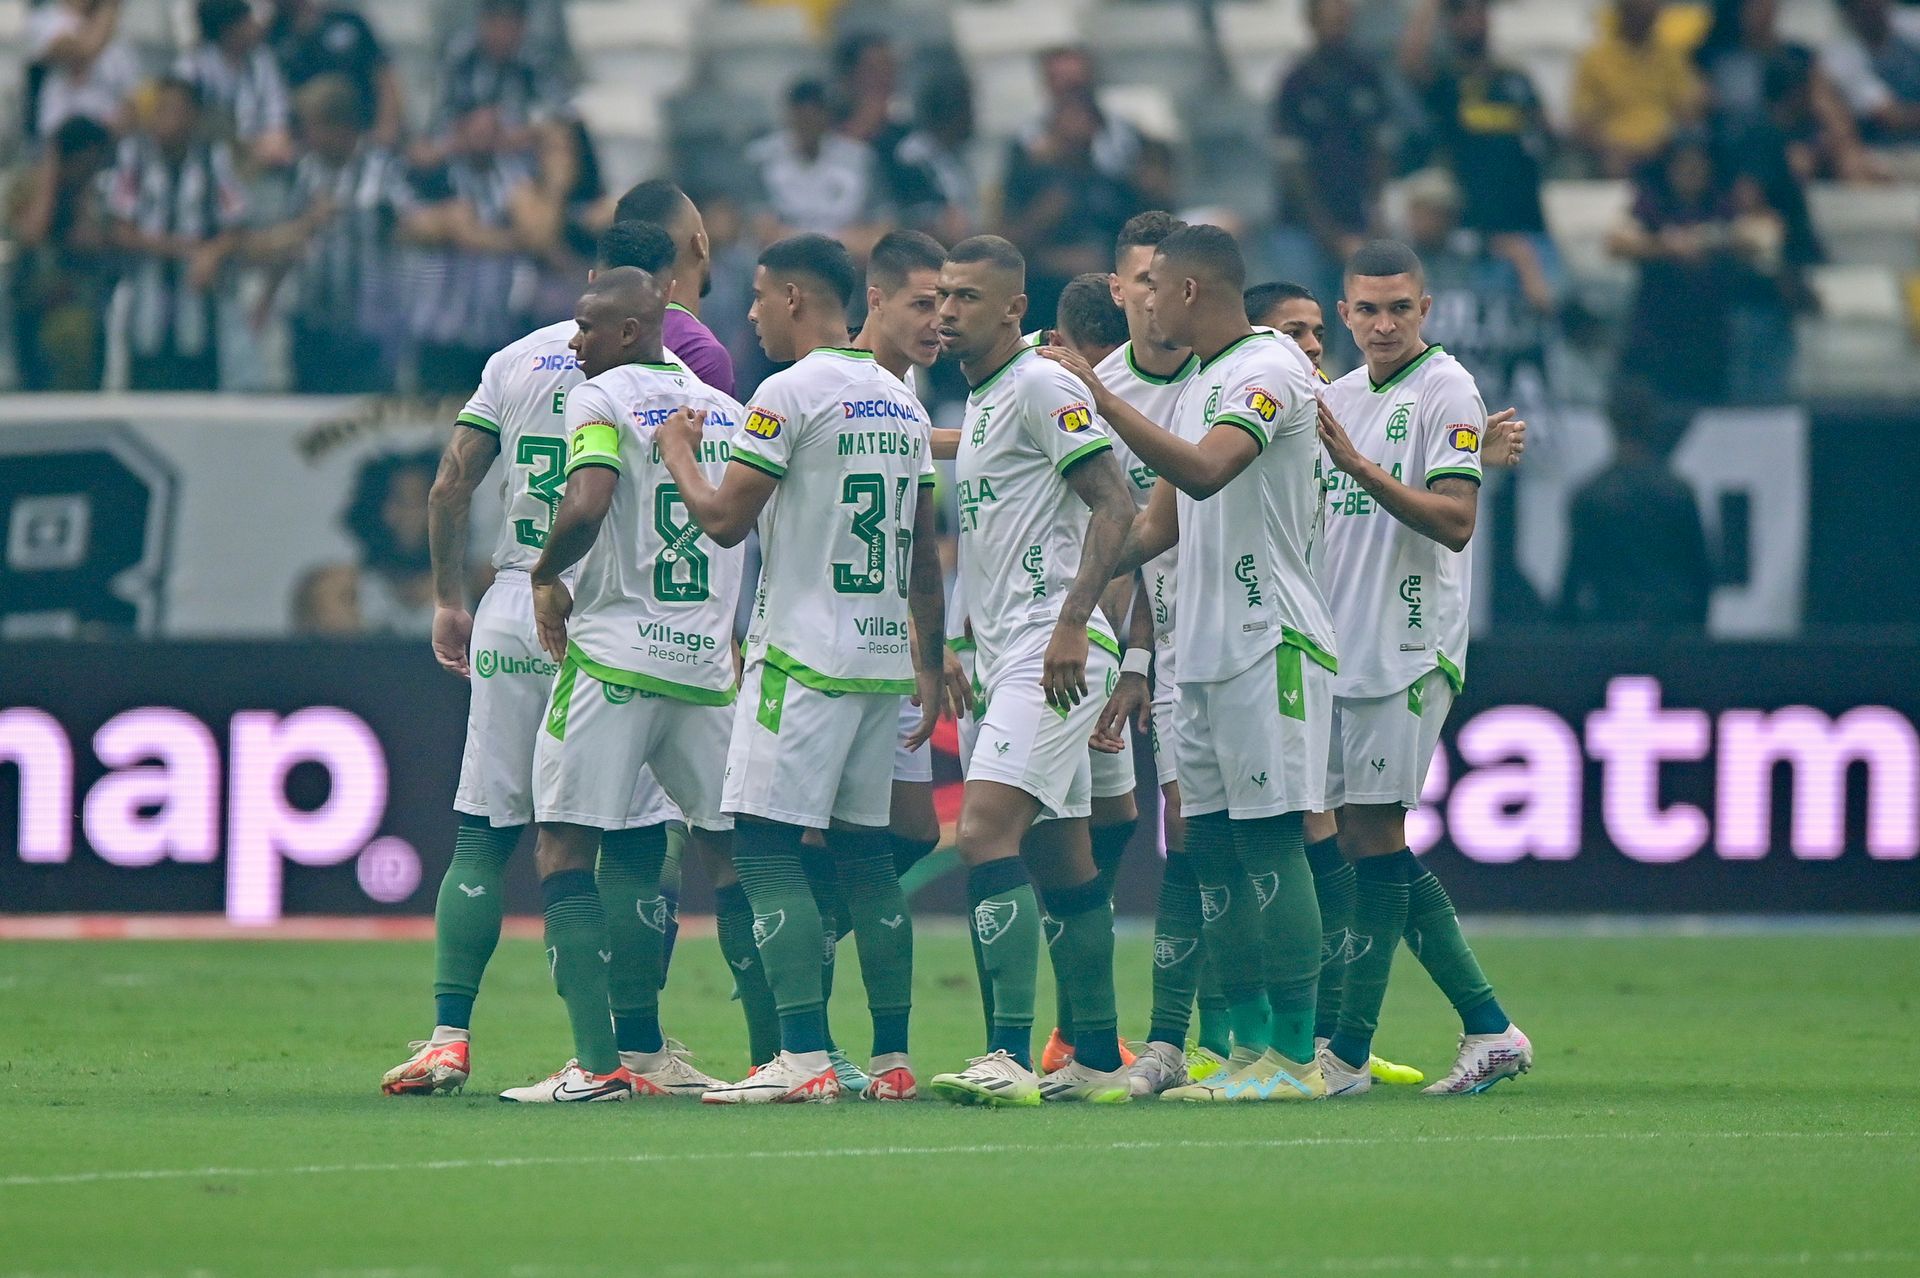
(346, 276)
(197, 198)
(252, 96)
(461, 298)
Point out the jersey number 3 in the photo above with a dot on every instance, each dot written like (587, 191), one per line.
(868, 493)
(545, 459)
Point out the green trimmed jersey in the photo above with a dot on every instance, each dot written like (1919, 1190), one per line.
(1245, 587)
(654, 598)
(1021, 524)
(1154, 398)
(849, 445)
(1400, 599)
(522, 400)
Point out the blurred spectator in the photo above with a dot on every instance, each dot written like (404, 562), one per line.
(1330, 117)
(60, 278)
(1753, 76)
(177, 210)
(1632, 91)
(866, 76)
(239, 82)
(1483, 310)
(1704, 249)
(547, 43)
(1875, 65)
(930, 174)
(813, 179)
(390, 590)
(350, 201)
(76, 65)
(496, 70)
(1069, 73)
(1062, 209)
(1638, 549)
(312, 40)
(483, 217)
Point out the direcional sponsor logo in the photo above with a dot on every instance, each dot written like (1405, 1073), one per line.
(1074, 418)
(854, 409)
(762, 424)
(562, 363)
(1464, 438)
(487, 663)
(1263, 403)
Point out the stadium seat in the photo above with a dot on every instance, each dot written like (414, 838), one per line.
(1809, 22)
(13, 19)
(1260, 39)
(1000, 43)
(1147, 107)
(1151, 44)
(149, 26)
(757, 51)
(1580, 213)
(407, 24)
(1525, 28)
(1859, 295)
(635, 42)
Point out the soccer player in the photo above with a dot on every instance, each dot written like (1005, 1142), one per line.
(644, 645)
(831, 462)
(661, 202)
(1254, 645)
(1033, 461)
(1403, 434)
(516, 414)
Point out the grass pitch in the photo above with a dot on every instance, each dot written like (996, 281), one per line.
(1701, 1105)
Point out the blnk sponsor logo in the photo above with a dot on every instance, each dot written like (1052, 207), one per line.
(1522, 793)
(160, 799)
(487, 663)
(861, 409)
(564, 363)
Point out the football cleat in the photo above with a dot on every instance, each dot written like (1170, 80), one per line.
(994, 1079)
(1075, 1082)
(1484, 1060)
(1158, 1067)
(1382, 1069)
(1058, 1053)
(1267, 1077)
(440, 1064)
(890, 1078)
(1203, 1063)
(573, 1084)
(853, 1079)
(1212, 1086)
(784, 1080)
(1341, 1078)
(667, 1072)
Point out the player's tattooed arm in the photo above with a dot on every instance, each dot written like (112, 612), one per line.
(725, 513)
(575, 526)
(1444, 513)
(1155, 532)
(463, 464)
(1198, 470)
(927, 602)
(1097, 480)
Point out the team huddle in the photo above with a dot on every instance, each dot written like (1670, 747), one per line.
(1166, 515)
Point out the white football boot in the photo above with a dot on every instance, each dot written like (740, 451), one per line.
(995, 1079)
(1342, 1079)
(787, 1079)
(440, 1064)
(1076, 1082)
(667, 1072)
(1157, 1068)
(573, 1084)
(1484, 1060)
(890, 1078)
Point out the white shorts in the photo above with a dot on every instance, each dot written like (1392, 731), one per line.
(911, 765)
(1381, 746)
(507, 703)
(808, 757)
(597, 738)
(1255, 745)
(967, 727)
(1165, 694)
(1112, 775)
(1026, 743)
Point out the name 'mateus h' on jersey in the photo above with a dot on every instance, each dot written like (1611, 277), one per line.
(1155, 398)
(1400, 600)
(654, 599)
(849, 444)
(1021, 525)
(1245, 587)
(522, 399)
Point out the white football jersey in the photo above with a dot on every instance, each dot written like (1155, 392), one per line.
(849, 444)
(1021, 525)
(1399, 598)
(653, 600)
(1154, 398)
(1245, 587)
(522, 399)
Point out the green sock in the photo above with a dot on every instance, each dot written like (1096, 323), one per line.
(1079, 928)
(1434, 936)
(882, 929)
(1379, 917)
(934, 865)
(786, 921)
(980, 971)
(733, 920)
(1271, 850)
(670, 889)
(1177, 952)
(1216, 1028)
(824, 882)
(1006, 922)
(1231, 927)
(628, 877)
(1333, 884)
(466, 917)
(578, 955)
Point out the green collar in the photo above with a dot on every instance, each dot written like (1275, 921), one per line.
(675, 306)
(1234, 345)
(845, 352)
(1177, 375)
(1381, 388)
(1001, 371)
(658, 368)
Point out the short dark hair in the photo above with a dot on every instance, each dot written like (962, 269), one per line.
(898, 254)
(1146, 230)
(655, 200)
(217, 17)
(643, 244)
(818, 257)
(1088, 313)
(1385, 257)
(807, 93)
(990, 248)
(850, 48)
(1212, 249)
(1262, 298)
(79, 133)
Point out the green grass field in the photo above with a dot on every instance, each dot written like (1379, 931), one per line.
(1700, 1105)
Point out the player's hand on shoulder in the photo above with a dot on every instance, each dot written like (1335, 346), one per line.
(452, 634)
(1064, 676)
(552, 605)
(1074, 363)
(1506, 439)
(1130, 699)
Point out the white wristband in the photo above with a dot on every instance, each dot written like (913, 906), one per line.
(1137, 661)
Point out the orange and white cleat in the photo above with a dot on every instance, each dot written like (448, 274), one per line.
(573, 1083)
(1058, 1054)
(440, 1064)
(784, 1080)
(890, 1078)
